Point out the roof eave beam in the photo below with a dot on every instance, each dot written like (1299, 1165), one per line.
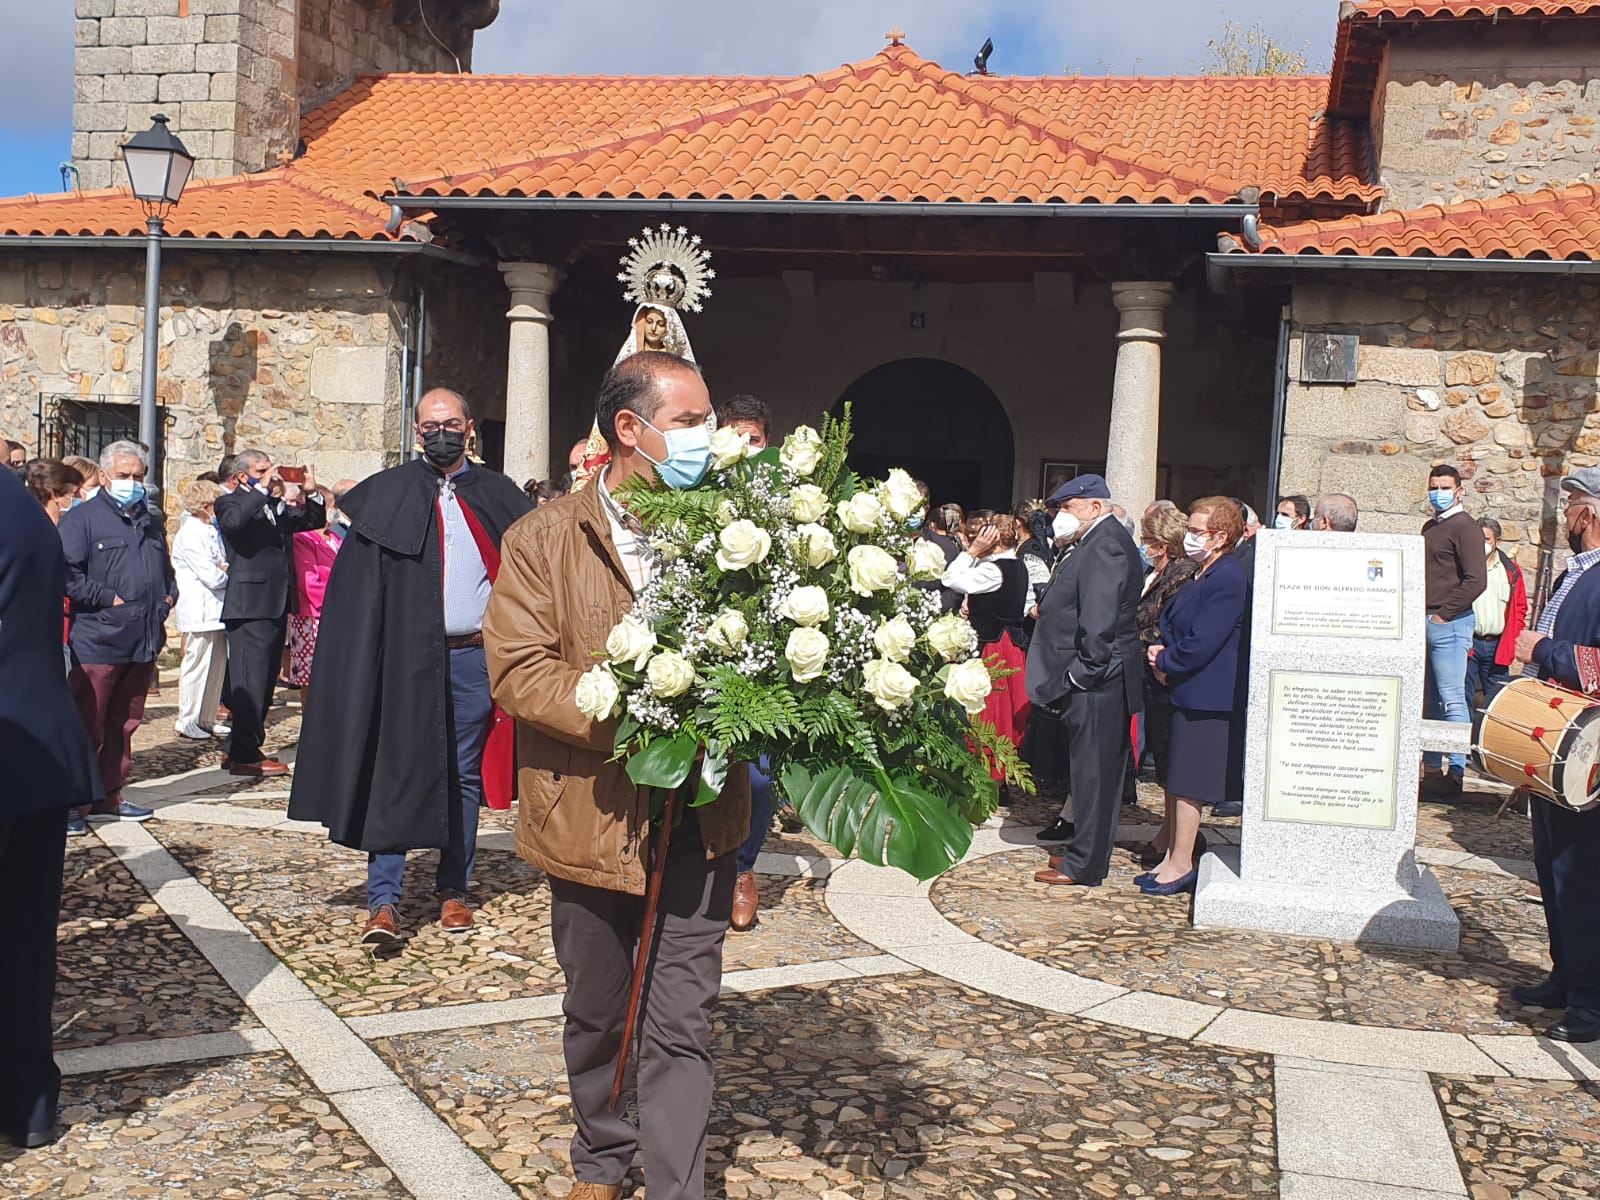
(873, 208)
(74, 241)
(1220, 267)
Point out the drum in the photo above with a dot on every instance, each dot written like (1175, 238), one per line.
(1544, 738)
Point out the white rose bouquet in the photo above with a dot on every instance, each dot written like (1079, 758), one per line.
(789, 622)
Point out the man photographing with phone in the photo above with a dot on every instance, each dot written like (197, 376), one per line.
(258, 520)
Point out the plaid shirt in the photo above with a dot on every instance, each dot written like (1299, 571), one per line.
(639, 560)
(1576, 566)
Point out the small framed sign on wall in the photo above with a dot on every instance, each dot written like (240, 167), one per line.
(1328, 357)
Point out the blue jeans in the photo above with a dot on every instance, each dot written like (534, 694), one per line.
(1446, 695)
(760, 814)
(1483, 672)
(468, 711)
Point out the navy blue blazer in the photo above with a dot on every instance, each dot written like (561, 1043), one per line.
(1202, 628)
(1577, 624)
(48, 760)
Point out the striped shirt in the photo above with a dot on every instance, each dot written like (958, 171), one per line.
(1576, 566)
(641, 563)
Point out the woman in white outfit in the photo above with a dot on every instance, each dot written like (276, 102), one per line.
(201, 565)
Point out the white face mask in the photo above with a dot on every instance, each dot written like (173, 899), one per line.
(1488, 549)
(1066, 525)
(1195, 546)
(1283, 522)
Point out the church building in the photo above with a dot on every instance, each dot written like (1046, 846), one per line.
(1256, 286)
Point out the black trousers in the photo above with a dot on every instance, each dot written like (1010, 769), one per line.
(255, 654)
(1097, 734)
(596, 934)
(33, 852)
(1566, 854)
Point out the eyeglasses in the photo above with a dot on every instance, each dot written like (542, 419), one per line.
(1198, 532)
(453, 425)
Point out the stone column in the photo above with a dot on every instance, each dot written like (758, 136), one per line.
(1136, 394)
(528, 369)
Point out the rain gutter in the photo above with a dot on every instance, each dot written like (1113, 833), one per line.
(866, 208)
(64, 241)
(1219, 265)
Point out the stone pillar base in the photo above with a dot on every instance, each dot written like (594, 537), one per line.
(1420, 918)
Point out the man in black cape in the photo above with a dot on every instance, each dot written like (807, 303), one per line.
(399, 710)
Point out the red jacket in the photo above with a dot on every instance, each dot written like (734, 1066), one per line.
(1516, 612)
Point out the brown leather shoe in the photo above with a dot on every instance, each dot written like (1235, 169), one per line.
(454, 915)
(259, 770)
(595, 1191)
(1055, 862)
(381, 928)
(746, 900)
(1051, 875)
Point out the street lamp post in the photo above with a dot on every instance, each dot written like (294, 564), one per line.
(158, 167)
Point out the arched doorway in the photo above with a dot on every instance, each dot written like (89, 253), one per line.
(938, 421)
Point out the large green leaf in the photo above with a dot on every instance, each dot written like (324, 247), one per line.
(713, 775)
(887, 822)
(664, 763)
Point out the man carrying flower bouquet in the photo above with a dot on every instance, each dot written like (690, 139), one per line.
(570, 572)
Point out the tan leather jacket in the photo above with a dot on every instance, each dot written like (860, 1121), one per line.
(560, 590)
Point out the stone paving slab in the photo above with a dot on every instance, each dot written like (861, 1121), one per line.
(125, 971)
(245, 1127)
(1115, 934)
(924, 1089)
(1524, 1138)
(158, 751)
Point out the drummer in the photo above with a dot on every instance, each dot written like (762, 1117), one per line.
(1565, 648)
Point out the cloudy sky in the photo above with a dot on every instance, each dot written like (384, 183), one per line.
(1151, 37)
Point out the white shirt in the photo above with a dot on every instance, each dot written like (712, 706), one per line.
(466, 579)
(971, 577)
(639, 561)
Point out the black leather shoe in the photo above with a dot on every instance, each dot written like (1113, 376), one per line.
(1548, 994)
(1228, 808)
(1059, 830)
(1579, 1025)
(37, 1138)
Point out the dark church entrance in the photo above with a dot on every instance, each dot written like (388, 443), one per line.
(938, 421)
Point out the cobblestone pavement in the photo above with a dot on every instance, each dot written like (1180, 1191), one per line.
(843, 1070)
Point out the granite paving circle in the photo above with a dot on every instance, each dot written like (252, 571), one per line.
(908, 1086)
(1116, 934)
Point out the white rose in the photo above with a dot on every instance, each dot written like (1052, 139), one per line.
(743, 544)
(598, 693)
(630, 640)
(925, 561)
(901, 495)
(952, 637)
(862, 513)
(895, 639)
(806, 651)
(802, 451)
(872, 569)
(728, 447)
(726, 513)
(816, 543)
(670, 674)
(969, 685)
(888, 683)
(805, 606)
(729, 631)
(809, 502)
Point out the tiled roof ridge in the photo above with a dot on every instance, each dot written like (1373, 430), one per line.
(1303, 237)
(1400, 10)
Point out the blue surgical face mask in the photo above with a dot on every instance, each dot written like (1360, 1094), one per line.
(688, 456)
(914, 523)
(1144, 556)
(126, 491)
(1442, 498)
(1282, 522)
(72, 503)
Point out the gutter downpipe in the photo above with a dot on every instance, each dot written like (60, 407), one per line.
(405, 383)
(1280, 402)
(416, 370)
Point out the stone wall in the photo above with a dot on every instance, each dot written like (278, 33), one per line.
(1496, 377)
(296, 354)
(1465, 116)
(234, 76)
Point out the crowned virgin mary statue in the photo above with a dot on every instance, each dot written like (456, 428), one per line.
(665, 270)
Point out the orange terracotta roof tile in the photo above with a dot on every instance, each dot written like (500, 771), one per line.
(894, 127)
(1562, 224)
(1378, 9)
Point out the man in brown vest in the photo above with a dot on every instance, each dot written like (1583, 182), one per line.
(570, 571)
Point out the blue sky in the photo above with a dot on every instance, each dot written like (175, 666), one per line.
(1150, 37)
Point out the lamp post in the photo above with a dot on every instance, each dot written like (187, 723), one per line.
(158, 167)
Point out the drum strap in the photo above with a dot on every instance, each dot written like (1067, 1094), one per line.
(1588, 668)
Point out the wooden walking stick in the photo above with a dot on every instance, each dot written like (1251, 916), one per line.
(647, 937)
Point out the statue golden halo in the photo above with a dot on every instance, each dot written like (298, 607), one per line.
(668, 267)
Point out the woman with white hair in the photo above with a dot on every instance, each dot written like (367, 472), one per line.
(201, 565)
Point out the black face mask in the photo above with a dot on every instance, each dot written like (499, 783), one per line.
(1575, 540)
(443, 447)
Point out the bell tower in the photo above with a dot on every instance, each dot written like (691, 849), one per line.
(234, 76)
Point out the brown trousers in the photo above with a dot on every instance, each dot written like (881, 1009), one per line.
(110, 702)
(596, 934)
